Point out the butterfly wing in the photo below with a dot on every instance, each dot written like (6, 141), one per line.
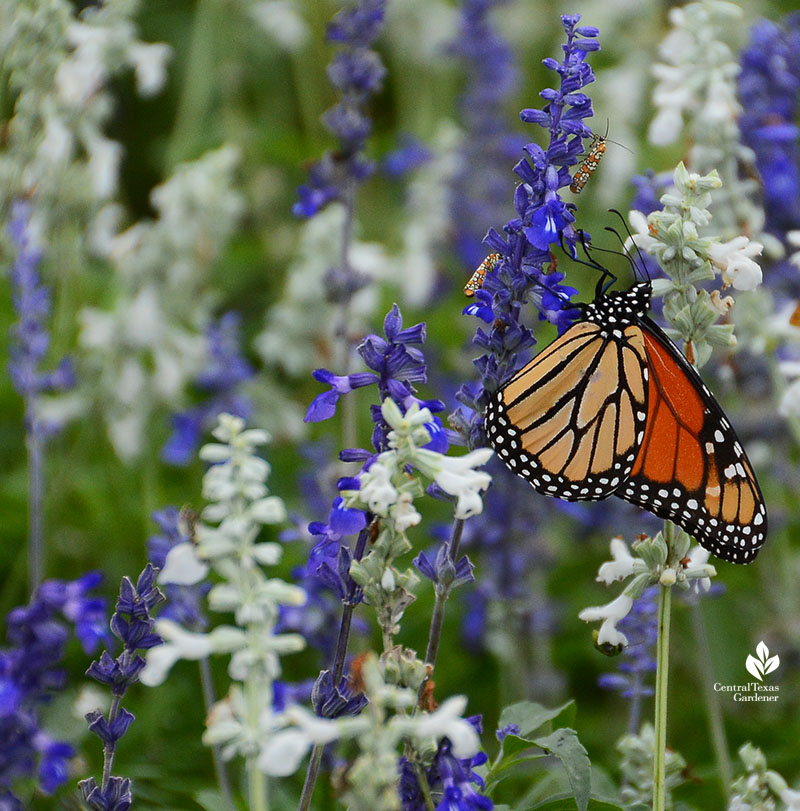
(572, 420)
(691, 467)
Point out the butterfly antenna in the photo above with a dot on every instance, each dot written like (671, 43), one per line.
(605, 273)
(643, 269)
(623, 253)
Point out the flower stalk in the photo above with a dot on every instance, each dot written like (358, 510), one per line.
(338, 669)
(661, 695)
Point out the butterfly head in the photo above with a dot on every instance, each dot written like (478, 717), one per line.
(620, 306)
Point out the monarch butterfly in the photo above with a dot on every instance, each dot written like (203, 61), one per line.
(589, 165)
(476, 280)
(613, 407)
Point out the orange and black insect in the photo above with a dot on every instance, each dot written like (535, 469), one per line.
(476, 280)
(612, 407)
(589, 165)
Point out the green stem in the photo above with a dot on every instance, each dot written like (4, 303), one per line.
(209, 699)
(716, 723)
(200, 81)
(424, 786)
(662, 685)
(256, 780)
(36, 549)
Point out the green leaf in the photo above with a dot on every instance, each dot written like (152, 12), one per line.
(510, 755)
(529, 716)
(210, 800)
(564, 744)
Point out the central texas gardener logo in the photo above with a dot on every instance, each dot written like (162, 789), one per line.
(762, 663)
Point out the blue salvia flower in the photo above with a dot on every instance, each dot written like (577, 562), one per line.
(543, 219)
(356, 72)
(649, 188)
(452, 780)
(219, 381)
(397, 365)
(410, 154)
(184, 604)
(769, 90)
(638, 659)
(29, 339)
(29, 676)
(132, 624)
(479, 193)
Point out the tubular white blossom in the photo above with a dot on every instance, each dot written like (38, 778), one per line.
(611, 614)
(623, 564)
(734, 258)
(458, 478)
(446, 722)
(183, 566)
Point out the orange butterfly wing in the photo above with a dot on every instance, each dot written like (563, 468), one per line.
(691, 467)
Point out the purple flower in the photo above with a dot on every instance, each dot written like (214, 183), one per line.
(769, 84)
(323, 406)
(333, 702)
(526, 271)
(30, 342)
(649, 188)
(184, 604)
(479, 194)
(133, 625)
(442, 571)
(219, 380)
(509, 729)
(410, 154)
(451, 779)
(29, 675)
(397, 364)
(116, 797)
(356, 72)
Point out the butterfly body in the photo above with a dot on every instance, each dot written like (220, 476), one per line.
(612, 407)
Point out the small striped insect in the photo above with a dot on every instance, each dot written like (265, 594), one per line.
(476, 280)
(589, 165)
(612, 407)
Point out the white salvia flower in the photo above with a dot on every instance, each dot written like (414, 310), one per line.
(283, 752)
(178, 644)
(377, 489)
(790, 399)
(404, 513)
(57, 146)
(734, 258)
(104, 160)
(269, 510)
(90, 697)
(182, 566)
(150, 63)
(697, 564)
(388, 580)
(791, 798)
(282, 21)
(793, 238)
(302, 319)
(446, 722)
(458, 477)
(611, 614)
(623, 564)
(427, 208)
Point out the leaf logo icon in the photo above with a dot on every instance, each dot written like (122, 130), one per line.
(762, 663)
